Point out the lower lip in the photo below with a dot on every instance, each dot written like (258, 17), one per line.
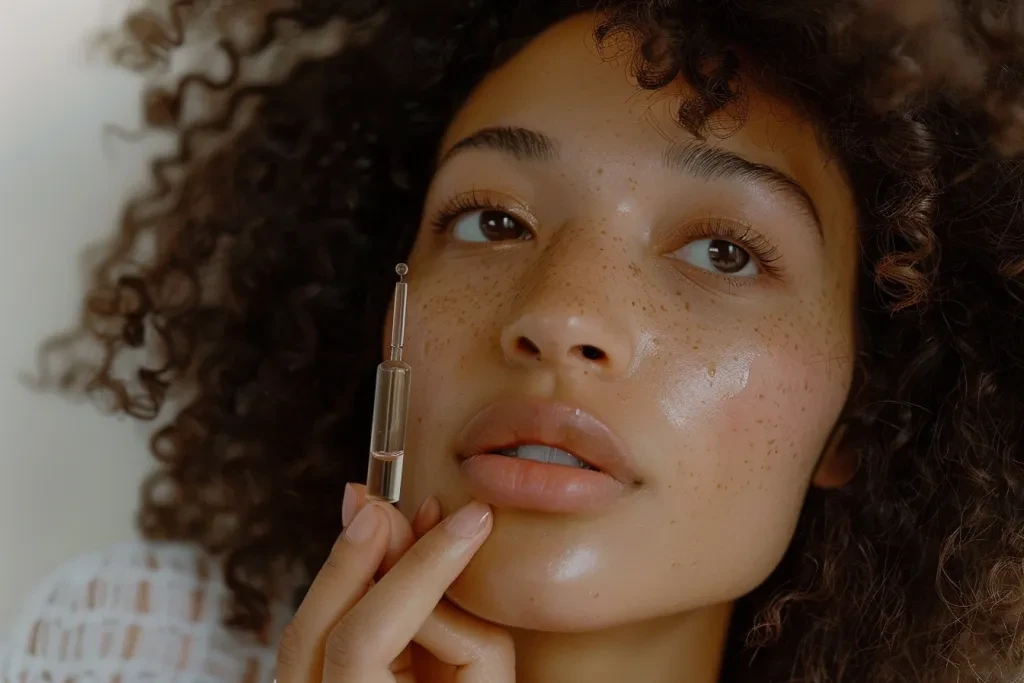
(504, 481)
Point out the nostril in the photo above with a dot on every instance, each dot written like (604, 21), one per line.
(592, 353)
(526, 346)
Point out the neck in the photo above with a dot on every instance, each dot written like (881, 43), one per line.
(683, 647)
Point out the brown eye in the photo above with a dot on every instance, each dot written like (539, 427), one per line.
(727, 257)
(719, 256)
(489, 225)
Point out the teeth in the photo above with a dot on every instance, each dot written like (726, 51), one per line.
(548, 454)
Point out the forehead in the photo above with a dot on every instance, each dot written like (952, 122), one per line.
(584, 96)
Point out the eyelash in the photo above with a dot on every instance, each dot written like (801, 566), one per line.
(462, 204)
(743, 236)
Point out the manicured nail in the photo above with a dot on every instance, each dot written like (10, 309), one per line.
(467, 522)
(427, 509)
(348, 505)
(364, 525)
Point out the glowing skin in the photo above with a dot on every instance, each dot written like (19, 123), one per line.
(723, 388)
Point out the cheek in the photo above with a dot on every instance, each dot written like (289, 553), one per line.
(444, 322)
(440, 338)
(453, 304)
(750, 430)
(749, 482)
(796, 380)
(772, 434)
(450, 334)
(779, 422)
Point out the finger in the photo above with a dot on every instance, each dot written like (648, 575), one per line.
(400, 537)
(403, 663)
(479, 651)
(380, 626)
(427, 517)
(339, 585)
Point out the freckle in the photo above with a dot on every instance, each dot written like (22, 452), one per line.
(600, 171)
(674, 564)
(597, 595)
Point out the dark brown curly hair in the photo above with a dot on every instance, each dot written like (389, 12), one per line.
(256, 276)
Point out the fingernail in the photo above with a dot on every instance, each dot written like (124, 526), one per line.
(428, 506)
(364, 525)
(467, 522)
(348, 505)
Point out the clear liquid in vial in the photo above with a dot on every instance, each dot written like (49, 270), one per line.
(384, 477)
(387, 436)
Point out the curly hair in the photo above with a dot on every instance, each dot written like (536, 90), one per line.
(256, 276)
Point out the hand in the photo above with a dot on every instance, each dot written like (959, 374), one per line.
(352, 630)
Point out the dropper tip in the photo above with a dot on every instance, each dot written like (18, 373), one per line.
(402, 270)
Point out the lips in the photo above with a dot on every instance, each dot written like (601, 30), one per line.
(505, 425)
(523, 483)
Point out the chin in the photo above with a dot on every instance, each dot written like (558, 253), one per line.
(540, 574)
(557, 581)
(496, 596)
(539, 591)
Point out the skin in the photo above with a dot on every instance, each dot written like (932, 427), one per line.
(724, 393)
(724, 388)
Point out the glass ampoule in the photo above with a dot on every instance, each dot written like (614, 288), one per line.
(390, 407)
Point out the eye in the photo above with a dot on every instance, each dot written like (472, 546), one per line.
(719, 256)
(489, 225)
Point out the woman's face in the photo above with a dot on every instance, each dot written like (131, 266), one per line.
(678, 313)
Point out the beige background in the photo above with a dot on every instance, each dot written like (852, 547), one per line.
(68, 476)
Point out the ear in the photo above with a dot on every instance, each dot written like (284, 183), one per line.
(838, 463)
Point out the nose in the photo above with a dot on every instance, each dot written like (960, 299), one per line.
(568, 314)
(567, 340)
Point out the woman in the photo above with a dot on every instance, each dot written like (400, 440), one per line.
(756, 263)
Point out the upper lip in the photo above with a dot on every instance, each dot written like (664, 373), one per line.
(516, 422)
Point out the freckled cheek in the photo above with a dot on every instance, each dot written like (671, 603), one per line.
(449, 333)
(450, 314)
(748, 483)
(776, 428)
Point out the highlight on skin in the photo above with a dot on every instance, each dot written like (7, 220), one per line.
(896, 325)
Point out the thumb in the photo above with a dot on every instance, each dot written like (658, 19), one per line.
(401, 536)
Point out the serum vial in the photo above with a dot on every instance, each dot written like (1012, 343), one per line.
(390, 407)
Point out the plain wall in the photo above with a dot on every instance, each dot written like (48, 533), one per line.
(68, 475)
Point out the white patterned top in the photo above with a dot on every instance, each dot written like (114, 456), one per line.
(136, 613)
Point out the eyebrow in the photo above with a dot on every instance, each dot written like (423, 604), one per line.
(711, 163)
(521, 143)
(693, 158)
